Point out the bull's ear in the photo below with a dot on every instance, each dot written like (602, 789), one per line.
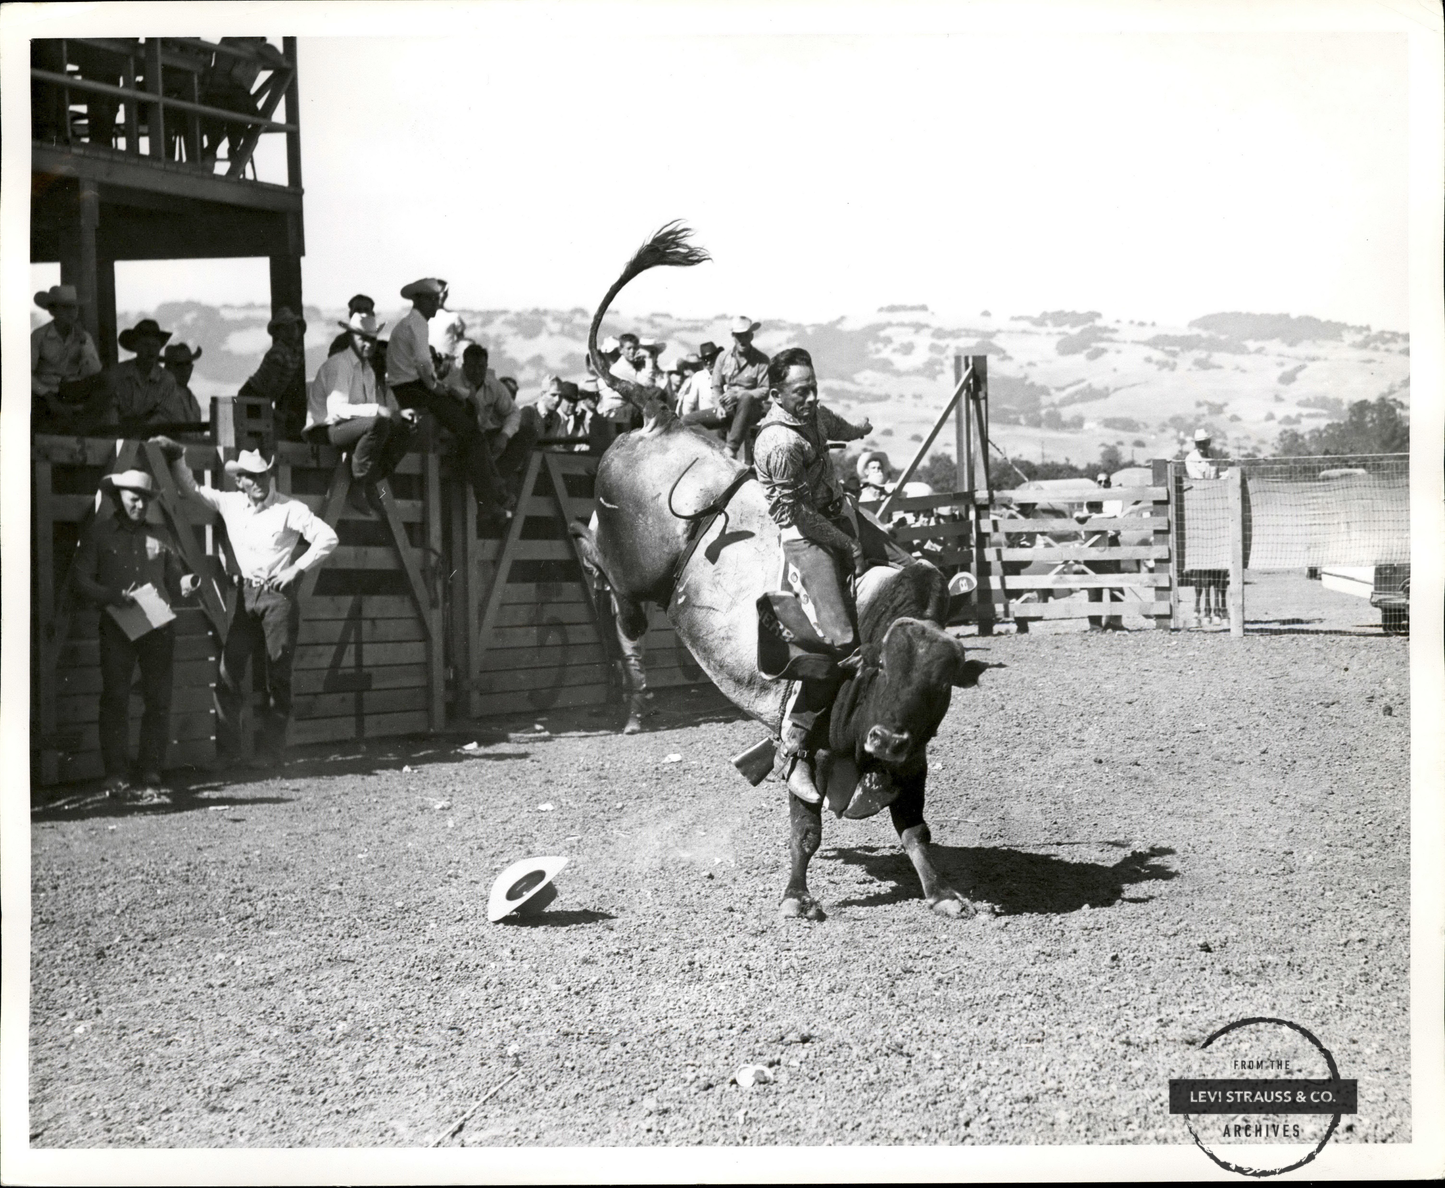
(961, 674)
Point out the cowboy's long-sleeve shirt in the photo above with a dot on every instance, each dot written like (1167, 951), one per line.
(792, 463)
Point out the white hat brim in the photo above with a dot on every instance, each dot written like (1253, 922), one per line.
(505, 899)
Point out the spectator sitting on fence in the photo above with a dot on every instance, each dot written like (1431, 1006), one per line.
(412, 376)
(585, 421)
(69, 393)
(117, 556)
(180, 361)
(873, 469)
(649, 372)
(346, 407)
(264, 528)
(694, 390)
(279, 375)
(145, 393)
(740, 384)
(360, 304)
(509, 434)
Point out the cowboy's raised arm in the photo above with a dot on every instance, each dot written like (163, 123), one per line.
(175, 454)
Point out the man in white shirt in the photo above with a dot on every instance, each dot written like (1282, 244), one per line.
(346, 407)
(1196, 463)
(695, 392)
(264, 528)
(413, 381)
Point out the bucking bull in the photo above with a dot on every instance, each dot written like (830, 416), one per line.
(680, 524)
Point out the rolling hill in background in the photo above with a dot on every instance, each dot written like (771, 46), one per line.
(1062, 384)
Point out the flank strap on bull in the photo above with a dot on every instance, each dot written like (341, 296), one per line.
(700, 521)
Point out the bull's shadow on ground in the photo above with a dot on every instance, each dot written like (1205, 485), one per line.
(1016, 882)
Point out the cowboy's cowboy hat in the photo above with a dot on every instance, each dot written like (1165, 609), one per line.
(742, 324)
(249, 462)
(285, 317)
(431, 285)
(609, 344)
(179, 352)
(364, 324)
(685, 361)
(57, 295)
(361, 303)
(524, 887)
(145, 328)
(588, 388)
(652, 346)
(1203, 435)
(129, 480)
(709, 350)
(567, 390)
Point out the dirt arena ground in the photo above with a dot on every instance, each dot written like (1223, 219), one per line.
(1178, 830)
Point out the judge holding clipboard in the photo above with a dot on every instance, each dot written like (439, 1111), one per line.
(133, 571)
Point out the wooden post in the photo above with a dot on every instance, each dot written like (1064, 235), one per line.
(86, 283)
(960, 432)
(1163, 538)
(436, 638)
(156, 131)
(43, 567)
(293, 117)
(1236, 551)
(981, 513)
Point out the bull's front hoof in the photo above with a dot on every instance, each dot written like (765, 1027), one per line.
(806, 908)
(953, 905)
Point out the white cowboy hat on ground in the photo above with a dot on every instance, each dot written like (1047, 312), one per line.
(524, 887)
(57, 295)
(742, 324)
(249, 462)
(129, 480)
(363, 324)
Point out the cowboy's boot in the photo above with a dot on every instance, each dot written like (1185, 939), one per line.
(795, 764)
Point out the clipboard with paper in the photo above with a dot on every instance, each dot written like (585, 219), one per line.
(147, 612)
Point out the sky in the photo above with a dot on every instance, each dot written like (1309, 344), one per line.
(1158, 176)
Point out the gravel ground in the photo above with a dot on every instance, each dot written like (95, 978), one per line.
(1178, 830)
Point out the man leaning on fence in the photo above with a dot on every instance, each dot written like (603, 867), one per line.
(264, 528)
(120, 557)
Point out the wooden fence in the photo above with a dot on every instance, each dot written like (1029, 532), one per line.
(418, 618)
(1040, 554)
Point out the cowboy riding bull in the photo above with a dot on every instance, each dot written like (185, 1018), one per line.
(800, 608)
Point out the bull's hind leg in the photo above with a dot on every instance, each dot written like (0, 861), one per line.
(805, 836)
(913, 832)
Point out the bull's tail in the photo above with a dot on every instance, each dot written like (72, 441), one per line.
(669, 247)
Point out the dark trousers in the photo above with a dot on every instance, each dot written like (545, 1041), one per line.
(457, 419)
(377, 444)
(118, 656)
(1106, 595)
(80, 407)
(744, 417)
(264, 627)
(511, 463)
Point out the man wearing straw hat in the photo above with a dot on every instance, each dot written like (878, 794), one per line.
(413, 380)
(278, 378)
(347, 407)
(180, 361)
(740, 383)
(118, 556)
(145, 393)
(67, 389)
(264, 528)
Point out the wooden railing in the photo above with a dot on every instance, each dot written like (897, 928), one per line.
(173, 92)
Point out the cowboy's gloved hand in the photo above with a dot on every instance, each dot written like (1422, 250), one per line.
(173, 451)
